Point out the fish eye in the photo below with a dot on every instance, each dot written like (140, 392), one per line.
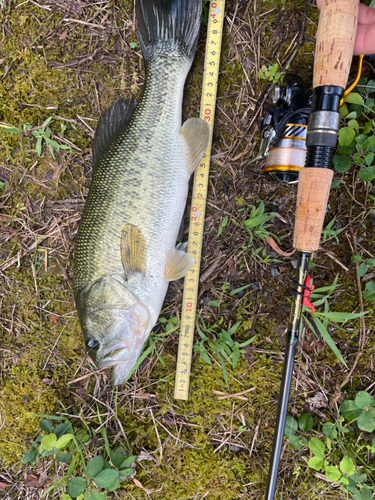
(92, 343)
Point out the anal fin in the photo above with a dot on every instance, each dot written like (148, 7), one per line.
(196, 133)
(177, 264)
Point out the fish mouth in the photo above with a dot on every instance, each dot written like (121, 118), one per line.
(117, 354)
(114, 352)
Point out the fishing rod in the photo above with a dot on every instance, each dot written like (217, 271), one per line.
(334, 51)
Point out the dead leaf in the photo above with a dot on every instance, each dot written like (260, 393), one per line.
(318, 401)
(272, 243)
(144, 455)
(4, 485)
(32, 481)
(47, 381)
(146, 490)
(63, 35)
(249, 355)
(54, 318)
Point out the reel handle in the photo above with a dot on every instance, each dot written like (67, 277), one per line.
(334, 52)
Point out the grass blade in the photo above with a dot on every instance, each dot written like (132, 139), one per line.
(327, 337)
(139, 361)
(341, 316)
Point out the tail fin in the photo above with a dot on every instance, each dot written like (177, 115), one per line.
(176, 21)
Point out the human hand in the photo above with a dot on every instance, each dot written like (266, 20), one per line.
(365, 38)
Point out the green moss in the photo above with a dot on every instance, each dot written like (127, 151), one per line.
(23, 396)
(188, 465)
(190, 472)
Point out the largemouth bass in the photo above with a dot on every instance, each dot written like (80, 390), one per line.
(125, 251)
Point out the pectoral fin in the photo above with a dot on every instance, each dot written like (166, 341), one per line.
(178, 264)
(133, 250)
(196, 133)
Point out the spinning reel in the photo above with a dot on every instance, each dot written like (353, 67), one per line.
(284, 129)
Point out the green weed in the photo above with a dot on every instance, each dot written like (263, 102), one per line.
(364, 264)
(356, 139)
(329, 231)
(256, 223)
(257, 228)
(369, 292)
(322, 319)
(66, 445)
(273, 72)
(339, 452)
(220, 295)
(42, 134)
(216, 340)
(222, 225)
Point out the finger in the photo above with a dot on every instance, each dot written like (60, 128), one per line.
(365, 39)
(366, 15)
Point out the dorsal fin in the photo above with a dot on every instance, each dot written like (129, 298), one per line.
(112, 121)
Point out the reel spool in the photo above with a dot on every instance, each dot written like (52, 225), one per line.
(284, 129)
(287, 157)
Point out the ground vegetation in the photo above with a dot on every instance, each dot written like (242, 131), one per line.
(62, 62)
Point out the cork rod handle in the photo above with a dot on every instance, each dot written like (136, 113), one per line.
(312, 198)
(334, 52)
(335, 42)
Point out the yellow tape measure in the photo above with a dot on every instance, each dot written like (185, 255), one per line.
(198, 202)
